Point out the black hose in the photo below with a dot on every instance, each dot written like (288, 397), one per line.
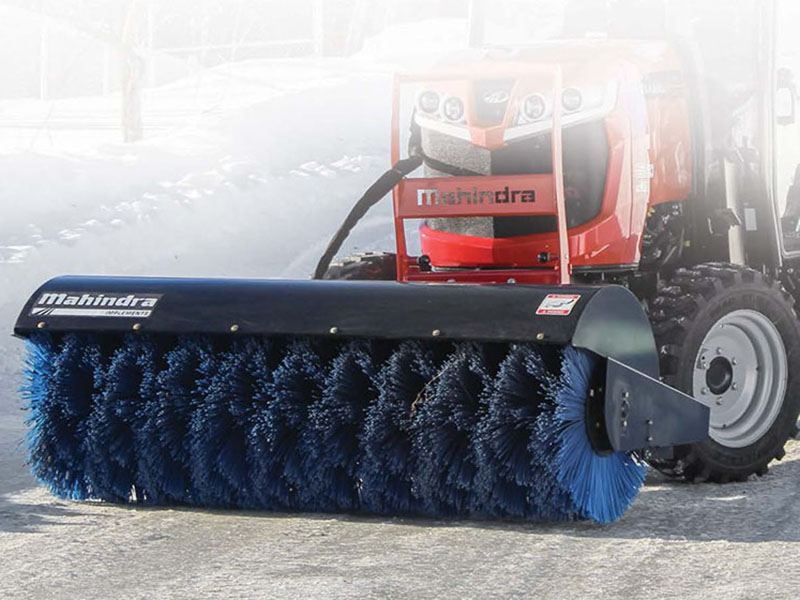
(371, 197)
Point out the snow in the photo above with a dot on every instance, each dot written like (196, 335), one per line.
(250, 179)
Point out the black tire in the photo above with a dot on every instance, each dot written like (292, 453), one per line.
(369, 266)
(682, 315)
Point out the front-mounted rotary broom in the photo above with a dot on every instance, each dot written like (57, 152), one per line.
(419, 397)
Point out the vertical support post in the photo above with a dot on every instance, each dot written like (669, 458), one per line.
(399, 224)
(564, 268)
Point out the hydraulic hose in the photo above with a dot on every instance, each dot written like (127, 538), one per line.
(371, 197)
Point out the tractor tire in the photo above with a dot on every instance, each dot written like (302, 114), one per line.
(729, 336)
(369, 266)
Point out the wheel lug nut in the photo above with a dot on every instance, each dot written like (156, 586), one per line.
(719, 351)
(704, 391)
(735, 387)
(734, 362)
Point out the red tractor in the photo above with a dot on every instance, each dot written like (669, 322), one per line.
(609, 227)
(661, 164)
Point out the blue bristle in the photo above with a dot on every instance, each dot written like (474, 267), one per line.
(111, 448)
(39, 374)
(277, 469)
(207, 426)
(445, 419)
(307, 426)
(387, 457)
(235, 384)
(61, 384)
(163, 439)
(330, 444)
(600, 487)
(510, 481)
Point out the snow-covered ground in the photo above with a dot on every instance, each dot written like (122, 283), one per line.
(252, 184)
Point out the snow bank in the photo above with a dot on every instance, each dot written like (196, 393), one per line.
(246, 171)
(255, 191)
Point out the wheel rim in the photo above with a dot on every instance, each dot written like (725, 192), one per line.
(741, 373)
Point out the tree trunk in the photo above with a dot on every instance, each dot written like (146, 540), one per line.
(133, 70)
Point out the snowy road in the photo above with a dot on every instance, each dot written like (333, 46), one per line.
(258, 195)
(678, 542)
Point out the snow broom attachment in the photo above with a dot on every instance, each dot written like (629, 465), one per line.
(466, 401)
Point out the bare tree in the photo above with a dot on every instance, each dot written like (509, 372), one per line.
(133, 71)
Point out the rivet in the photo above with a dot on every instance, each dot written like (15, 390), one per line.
(704, 391)
(436, 332)
(719, 351)
(591, 393)
(512, 281)
(234, 328)
(626, 395)
(334, 330)
(41, 325)
(540, 337)
(624, 424)
(735, 387)
(598, 425)
(734, 362)
(137, 326)
(650, 422)
(650, 438)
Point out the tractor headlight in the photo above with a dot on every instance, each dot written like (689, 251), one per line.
(572, 100)
(453, 109)
(534, 108)
(578, 105)
(428, 102)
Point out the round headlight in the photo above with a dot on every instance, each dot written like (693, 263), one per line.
(571, 99)
(428, 102)
(453, 109)
(534, 107)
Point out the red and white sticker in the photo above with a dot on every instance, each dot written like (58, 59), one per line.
(558, 305)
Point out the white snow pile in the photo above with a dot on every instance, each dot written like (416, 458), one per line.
(261, 163)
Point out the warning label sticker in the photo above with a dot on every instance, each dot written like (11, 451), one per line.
(558, 305)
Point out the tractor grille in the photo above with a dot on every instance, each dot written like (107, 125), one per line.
(585, 166)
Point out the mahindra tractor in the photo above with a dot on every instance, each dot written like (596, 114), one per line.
(597, 244)
(659, 152)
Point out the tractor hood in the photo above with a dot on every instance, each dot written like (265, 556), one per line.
(493, 96)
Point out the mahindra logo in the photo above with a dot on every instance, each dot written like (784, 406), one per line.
(461, 197)
(499, 97)
(94, 300)
(92, 305)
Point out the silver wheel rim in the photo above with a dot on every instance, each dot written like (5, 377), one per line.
(741, 372)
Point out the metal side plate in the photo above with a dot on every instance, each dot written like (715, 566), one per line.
(642, 412)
